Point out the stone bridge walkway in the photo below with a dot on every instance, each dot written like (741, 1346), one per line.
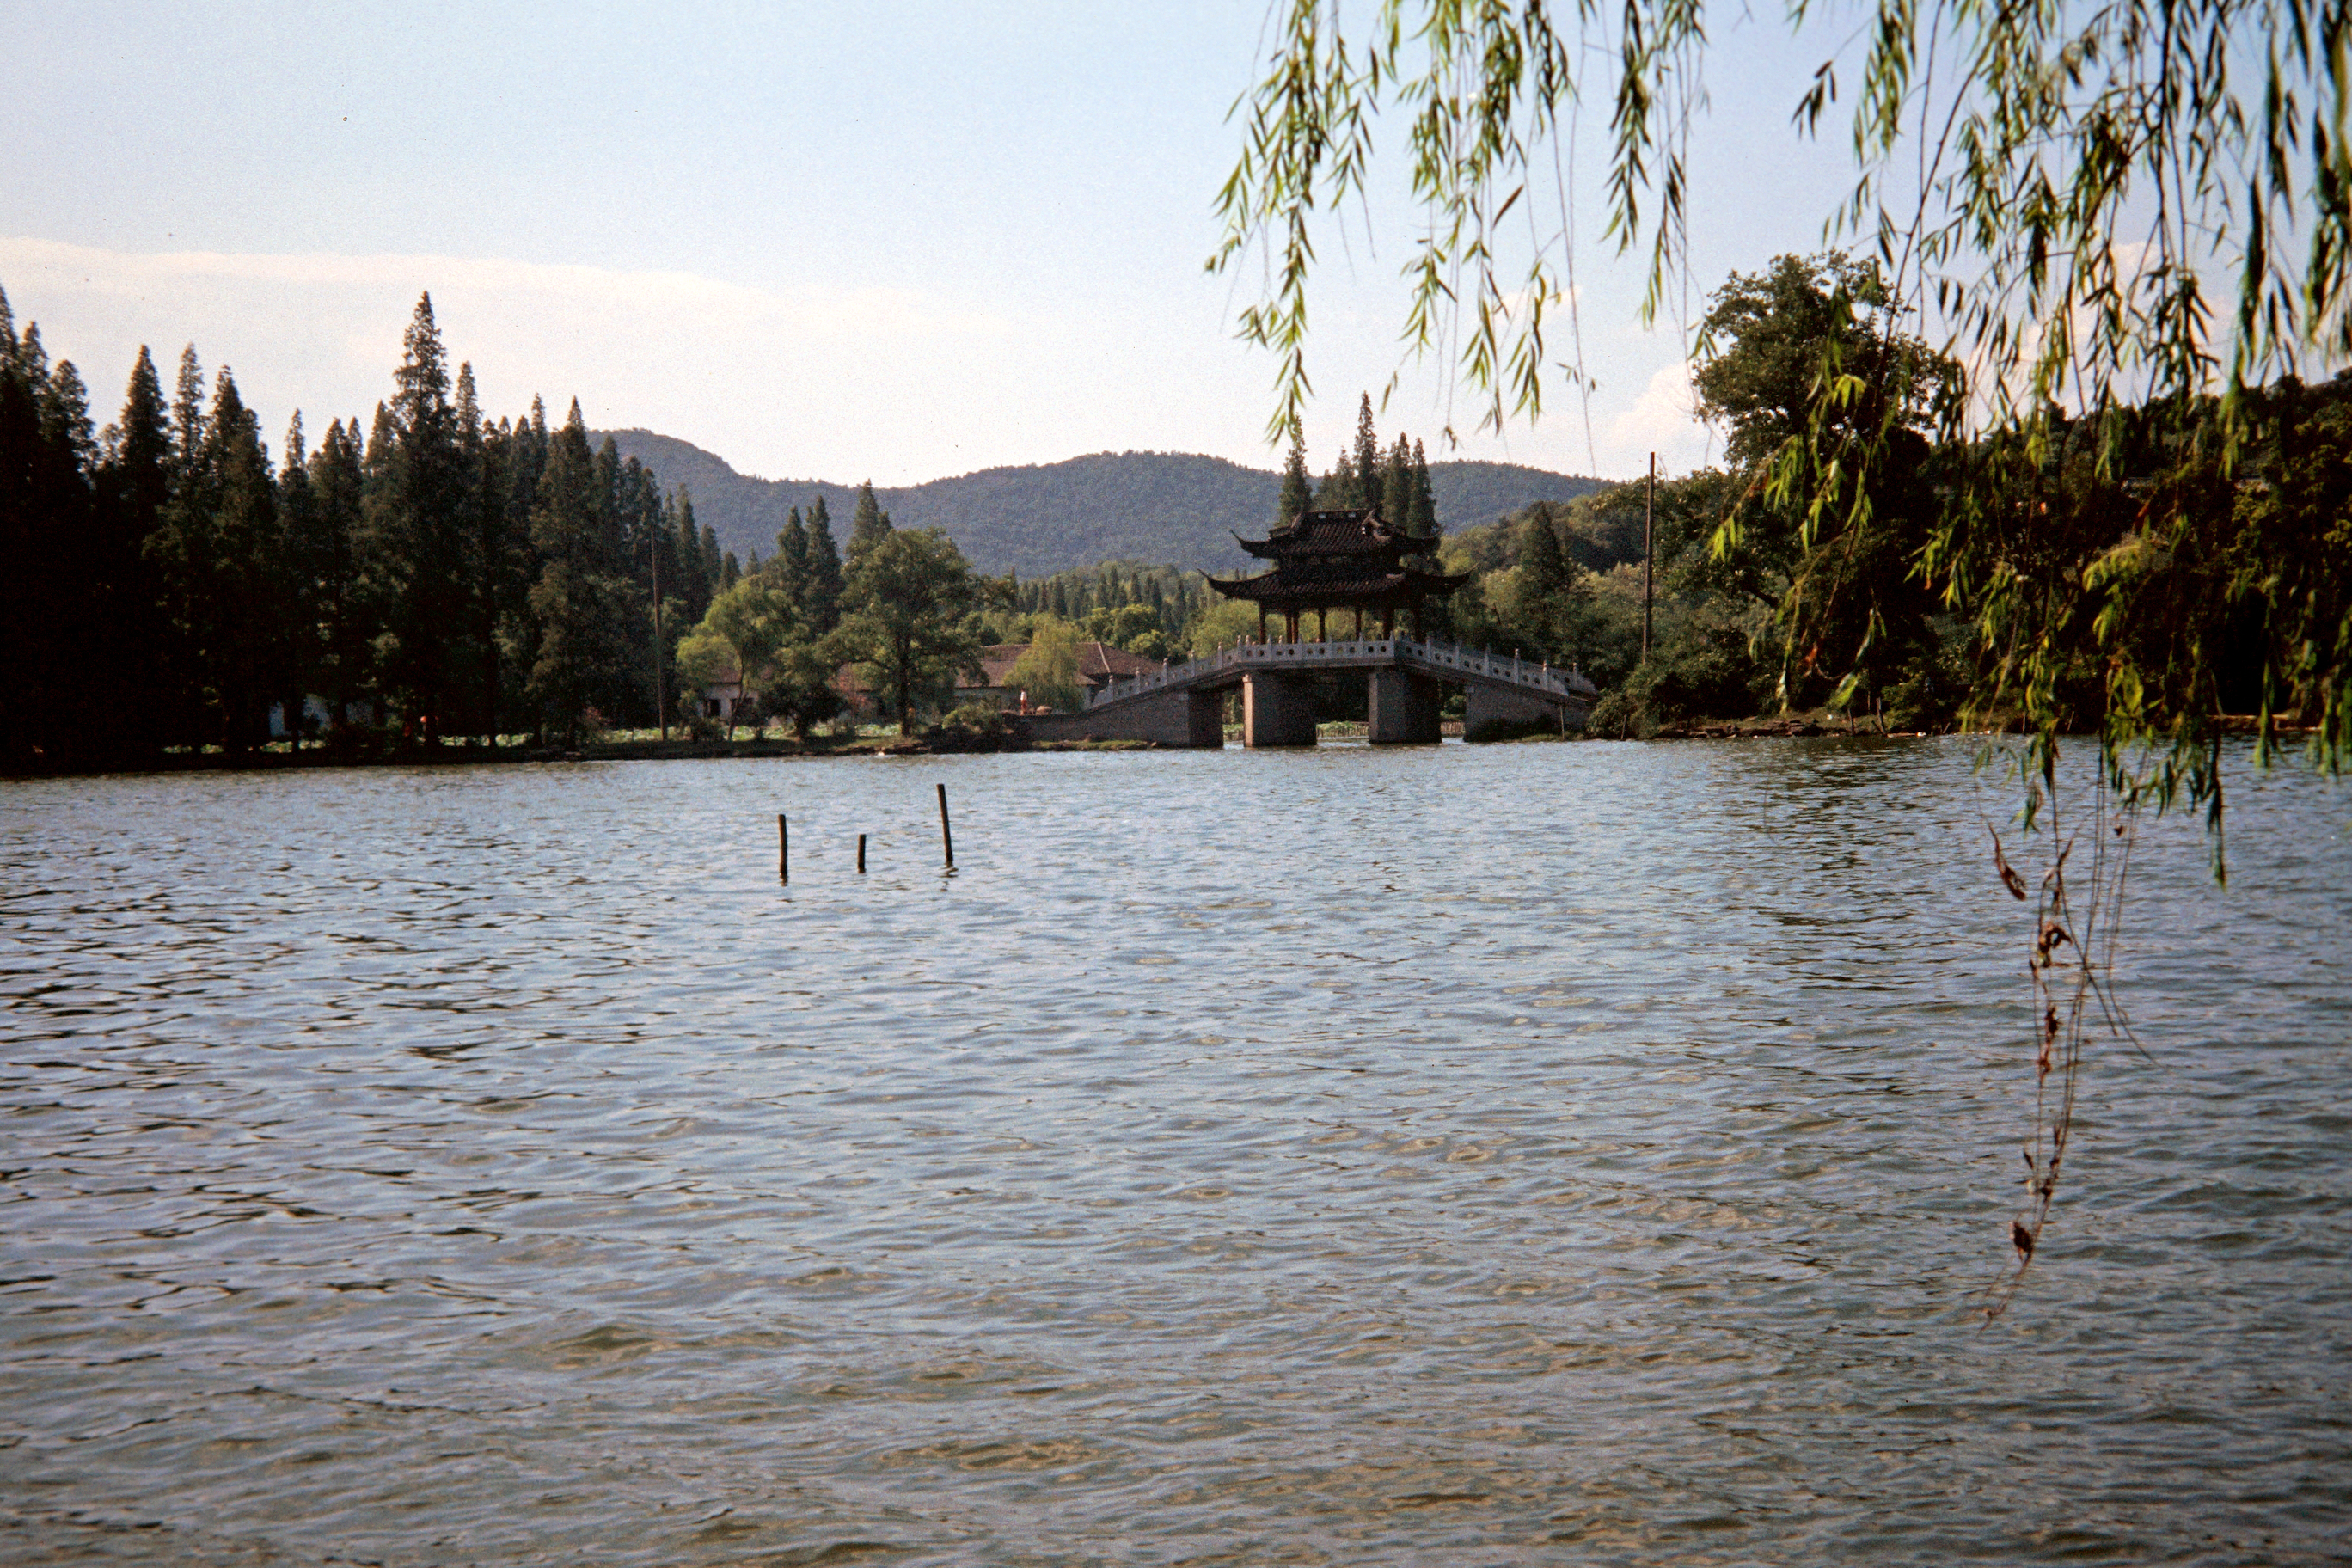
(1184, 705)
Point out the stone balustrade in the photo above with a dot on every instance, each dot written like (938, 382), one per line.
(1444, 660)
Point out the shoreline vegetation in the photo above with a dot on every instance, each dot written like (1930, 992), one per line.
(441, 580)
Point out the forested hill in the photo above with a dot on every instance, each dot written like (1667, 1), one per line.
(1036, 521)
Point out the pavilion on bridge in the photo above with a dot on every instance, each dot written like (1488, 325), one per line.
(1337, 560)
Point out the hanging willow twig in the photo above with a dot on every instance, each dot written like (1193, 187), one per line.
(2133, 485)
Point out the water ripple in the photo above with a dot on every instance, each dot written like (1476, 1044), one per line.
(1578, 1155)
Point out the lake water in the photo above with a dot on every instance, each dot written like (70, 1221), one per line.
(1582, 1154)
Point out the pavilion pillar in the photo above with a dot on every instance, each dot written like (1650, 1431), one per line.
(1277, 709)
(1359, 622)
(1322, 623)
(1403, 709)
(1261, 622)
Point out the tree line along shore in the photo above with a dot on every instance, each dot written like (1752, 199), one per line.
(441, 578)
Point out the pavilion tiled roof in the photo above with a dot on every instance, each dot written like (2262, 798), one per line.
(1316, 585)
(1337, 533)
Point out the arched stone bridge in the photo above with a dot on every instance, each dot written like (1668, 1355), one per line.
(1184, 705)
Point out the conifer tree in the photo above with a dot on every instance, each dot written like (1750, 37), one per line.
(1396, 485)
(338, 479)
(416, 536)
(1298, 492)
(695, 584)
(1367, 456)
(1420, 518)
(868, 525)
(826, 579)
(523, 464)
(222, 555)
(134, 485)
(1339, 487)
(642, 529)
(188, 412)
(483, 540)
(300, 552)
(792, 565)
(583, 599)
(44, 514)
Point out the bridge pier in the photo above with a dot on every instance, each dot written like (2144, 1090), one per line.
(1485, 704)
(1278, 710)
(1403, 710)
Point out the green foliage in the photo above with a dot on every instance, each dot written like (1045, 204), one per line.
(755, 619)
(582, 598)
(1047, 670)
(2017, 197)
(801, 689)
(912, 620)
(435, 575)
(869, 526)
(2059, 202)
(1132, 627)
(1298, 489)
(1220, 625)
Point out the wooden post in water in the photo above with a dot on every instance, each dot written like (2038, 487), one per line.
(947, 836)
(861, 854)
(783, 849)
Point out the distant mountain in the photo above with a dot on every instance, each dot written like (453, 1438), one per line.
(1166, 507)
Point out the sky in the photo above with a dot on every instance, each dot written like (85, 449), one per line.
(879, 240)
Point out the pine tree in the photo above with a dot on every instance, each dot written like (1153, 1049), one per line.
(694, 575)
(523, 464)
(583, 599)
(791, 567)
(826, 579)
(483, 540)
(1396, 485)
(643, 529)
(1549, 582)
(417, 534)
(240, 625)
(1367, 462)
(301, 570)
(45, 538)
(188, 412)
(134, 484)
(1298, 492)
(1420, 520)
(338, 479)
(1338, 489)
(868, 525)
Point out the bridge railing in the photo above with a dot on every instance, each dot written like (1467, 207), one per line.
(1434, 656)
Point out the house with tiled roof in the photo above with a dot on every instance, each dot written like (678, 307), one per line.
(1099, 664)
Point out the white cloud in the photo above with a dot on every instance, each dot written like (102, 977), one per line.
(1662, 419)
(773, 375)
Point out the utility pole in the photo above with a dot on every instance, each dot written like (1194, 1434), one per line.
(661, 696)
(1649, 554)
